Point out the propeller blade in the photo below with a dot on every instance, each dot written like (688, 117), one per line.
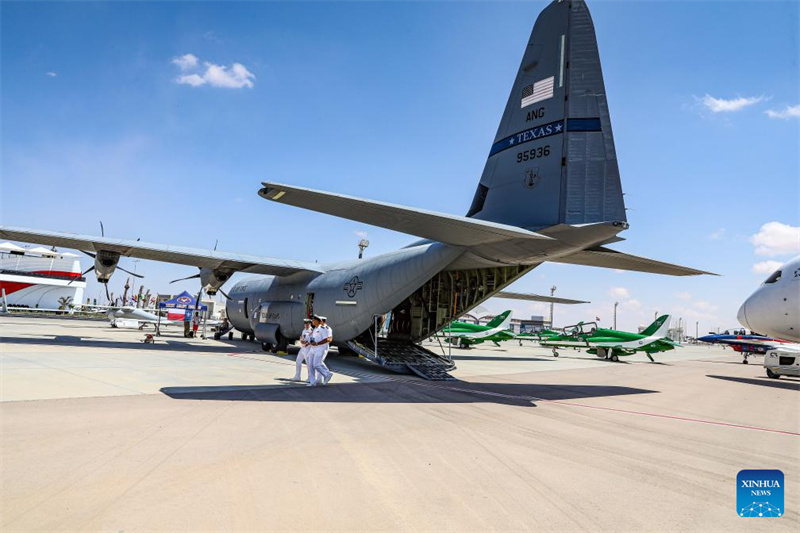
(90, 254)
(108, 296)
(82, 274)
(129, 272)
(184, 279)
(225, 294)
(102, 229)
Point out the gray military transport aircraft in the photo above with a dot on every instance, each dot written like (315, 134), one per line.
(550, 191)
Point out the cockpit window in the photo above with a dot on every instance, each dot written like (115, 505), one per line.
(773, 278)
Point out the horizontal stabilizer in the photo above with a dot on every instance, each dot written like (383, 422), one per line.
(161, 252)
(441, 227)
(607, 258)
(536, 298)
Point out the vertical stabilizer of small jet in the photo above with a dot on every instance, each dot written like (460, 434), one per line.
(553, 159)
(659, 328)
(501, 319)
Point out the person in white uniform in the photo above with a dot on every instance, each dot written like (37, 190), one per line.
(320, 340)
(330, 337)
(303, 354)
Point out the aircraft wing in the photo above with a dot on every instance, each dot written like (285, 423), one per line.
(536, 298)
(441, 227)
(161, 252)
(607, 258)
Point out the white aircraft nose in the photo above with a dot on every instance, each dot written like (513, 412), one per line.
(741, 316)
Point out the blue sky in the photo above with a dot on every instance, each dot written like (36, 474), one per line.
(398, 102)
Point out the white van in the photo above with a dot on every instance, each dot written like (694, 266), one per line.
(782, 361)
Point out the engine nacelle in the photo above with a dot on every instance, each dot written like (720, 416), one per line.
(270, 317)
(213, 280)
(105, 263)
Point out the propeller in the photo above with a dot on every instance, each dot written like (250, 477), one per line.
(210, 279)
(184, 279)
(129, 272)
(82, 274)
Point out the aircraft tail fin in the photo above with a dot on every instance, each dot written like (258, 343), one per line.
(503, 318)
(659, 328)
(553, 159)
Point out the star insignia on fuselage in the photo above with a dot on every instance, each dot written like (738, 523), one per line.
(558, 127)
(353, 286)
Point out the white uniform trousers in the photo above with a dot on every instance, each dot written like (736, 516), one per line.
(320, 352)
(302, 355)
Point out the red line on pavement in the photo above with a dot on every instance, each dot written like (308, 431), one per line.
(672, 417)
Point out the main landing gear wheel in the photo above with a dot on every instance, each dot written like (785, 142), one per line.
(614, 358)
(267, 347)
(773, 375)
(283, 343)
(555, 353)
(744, 361)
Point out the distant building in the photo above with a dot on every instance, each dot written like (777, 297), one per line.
(536, 323)
(38, 278)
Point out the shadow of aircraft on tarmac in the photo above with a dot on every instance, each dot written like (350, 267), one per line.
(764, 382)
(404, 390)
(162, 343)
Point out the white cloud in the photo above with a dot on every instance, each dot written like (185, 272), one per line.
(721, 105)
(632, 304)
(185, 62)
(51, 74)
(234, 77)
(191, 79)
(717, 234)
(776, 238)
(766, 267)
(361, 234)
(685, 296)
(618, 292)
(790, 111)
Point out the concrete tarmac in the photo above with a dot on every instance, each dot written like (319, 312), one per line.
(100, 432)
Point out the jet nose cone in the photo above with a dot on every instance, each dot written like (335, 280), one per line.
(741, 316)
(706, 338)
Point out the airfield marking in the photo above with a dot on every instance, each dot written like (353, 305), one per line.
(673, 417)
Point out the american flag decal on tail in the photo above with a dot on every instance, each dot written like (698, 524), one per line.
(541, 90)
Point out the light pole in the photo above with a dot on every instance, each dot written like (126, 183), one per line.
(615, 314)
(135, 264)
(362, 245)
(552, 292)
(696, 330)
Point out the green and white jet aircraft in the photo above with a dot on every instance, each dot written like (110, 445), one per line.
(611, 343)
(464, 334)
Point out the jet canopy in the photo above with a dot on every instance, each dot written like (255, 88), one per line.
(581, 328)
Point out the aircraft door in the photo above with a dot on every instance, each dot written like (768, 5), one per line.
(309, 305)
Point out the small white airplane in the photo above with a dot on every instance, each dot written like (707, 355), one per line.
(143, 316)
